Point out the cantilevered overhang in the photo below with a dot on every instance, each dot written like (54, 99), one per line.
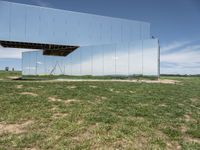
(48, 49)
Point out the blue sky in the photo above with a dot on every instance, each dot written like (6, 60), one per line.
(175, 22)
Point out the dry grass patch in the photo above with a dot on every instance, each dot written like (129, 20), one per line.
(101, 98)
(29, 93)
(59, 115)
(194, 100)
(14, 128)
(34, 148)
(192, 140)
(173, 146)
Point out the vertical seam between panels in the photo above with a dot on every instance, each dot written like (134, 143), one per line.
(115, 58)
(103, 60)
(142, 60)
(128, 59)
(80, 62)
(25, 24)
(92, 61)
(10, 20)
(36, 64)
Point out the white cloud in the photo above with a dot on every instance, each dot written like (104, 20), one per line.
(173, 46)
(12, 52)
(184, 60)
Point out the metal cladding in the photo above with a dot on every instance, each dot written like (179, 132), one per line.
(92, 44)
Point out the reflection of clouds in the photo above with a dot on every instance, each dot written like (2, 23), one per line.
(39, 63)
(30, 68)
(182, 60)
(12, 52)
(118, 59)
(173, 46)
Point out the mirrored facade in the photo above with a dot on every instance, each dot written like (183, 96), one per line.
(124, 59)
(26, 23)
(106, 46)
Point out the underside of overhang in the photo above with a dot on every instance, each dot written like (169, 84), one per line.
(48, 49)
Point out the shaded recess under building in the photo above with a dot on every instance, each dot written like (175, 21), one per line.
(48, 49)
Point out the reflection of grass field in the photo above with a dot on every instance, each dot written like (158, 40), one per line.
(99, 115)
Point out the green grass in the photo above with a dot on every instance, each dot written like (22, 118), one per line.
(99, 115)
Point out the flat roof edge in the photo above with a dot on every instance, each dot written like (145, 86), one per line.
(32, 5)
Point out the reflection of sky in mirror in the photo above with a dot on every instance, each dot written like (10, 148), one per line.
(134, 58)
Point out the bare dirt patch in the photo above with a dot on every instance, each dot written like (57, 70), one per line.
(13, 77)
(19, 86)
(192, 140)
(71, 87)
(162, 105)
(162, 81)
(87, 134)
(184, 129)
(132, 92)
(194, 100)
(173, 146)
(14, 128)
(29, 93)
(188, 118)
(93, 86)
(54, 99)
(71, 101)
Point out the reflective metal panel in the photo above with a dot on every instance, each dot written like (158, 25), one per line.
(33, 24)
(98, 61)
(135, 58)
(122, 59)
(5, 20)
(76, 62)
(25, 23)
(25, 63)
(86, 61)
(32, 63)
(110, 60)
(150, 57)
(68, 64)
(18, 22)
(132, 58)
(40, 63)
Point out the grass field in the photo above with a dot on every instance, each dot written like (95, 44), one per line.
(99, 115)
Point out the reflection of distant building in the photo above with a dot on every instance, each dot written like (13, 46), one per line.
(75, 43)
(6, 68)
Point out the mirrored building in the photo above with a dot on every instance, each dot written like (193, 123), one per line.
(73, 43)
